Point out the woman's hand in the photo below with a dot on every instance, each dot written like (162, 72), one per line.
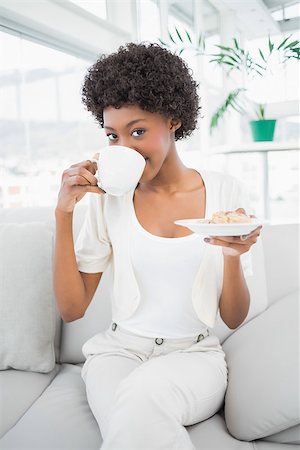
(76, 182)
(236, 245)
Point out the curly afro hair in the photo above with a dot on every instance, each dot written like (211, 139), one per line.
(147, 76)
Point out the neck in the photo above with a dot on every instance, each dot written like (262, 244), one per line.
(171, 177)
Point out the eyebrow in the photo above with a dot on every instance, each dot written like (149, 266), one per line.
(126, 126)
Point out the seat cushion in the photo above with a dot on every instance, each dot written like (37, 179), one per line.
(212, 434)
(18, 391)
(28, 314)
(263, 379)
(290, 436)
(59, 419)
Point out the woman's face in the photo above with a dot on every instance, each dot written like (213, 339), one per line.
(150, 134)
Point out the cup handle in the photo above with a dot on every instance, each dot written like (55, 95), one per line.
(96, 161)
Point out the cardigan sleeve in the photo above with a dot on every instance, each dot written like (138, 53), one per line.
(93, 248)
(241, 200)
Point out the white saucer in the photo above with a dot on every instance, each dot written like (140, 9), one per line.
(203, 227)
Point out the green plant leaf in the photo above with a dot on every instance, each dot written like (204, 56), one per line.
(178, 34)
(236, 43)
(229, 103)
(283, 42)
(271, 45)
(188, 35)
(233, 59)
(222, 47)
(261, 112)
(163, 43)
(200, 39)
(292, 44)
(228, 63)
(262, 55)
(172, 39)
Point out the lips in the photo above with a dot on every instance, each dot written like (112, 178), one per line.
(145, 157)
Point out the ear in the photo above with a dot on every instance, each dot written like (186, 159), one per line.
(175, 124)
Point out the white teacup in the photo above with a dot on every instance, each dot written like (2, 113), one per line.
(119, 169)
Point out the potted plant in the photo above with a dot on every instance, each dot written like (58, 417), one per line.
(237, 59)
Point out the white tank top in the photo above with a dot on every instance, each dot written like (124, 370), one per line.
(165, 269)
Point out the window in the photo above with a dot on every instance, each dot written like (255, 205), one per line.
(287, 12)
(281, 81)
(44, 127)
(98, 8)
(283, 184)
(148, 21)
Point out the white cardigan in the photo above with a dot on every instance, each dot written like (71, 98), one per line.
(103, 240)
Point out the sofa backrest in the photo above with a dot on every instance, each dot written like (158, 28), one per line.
(280, 269)
(281, 249)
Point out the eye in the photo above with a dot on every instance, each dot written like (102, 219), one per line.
(137, 131)
(111, 134)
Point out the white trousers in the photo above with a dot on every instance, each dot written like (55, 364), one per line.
(144, 391)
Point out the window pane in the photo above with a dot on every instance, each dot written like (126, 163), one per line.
(149, 21)
(283, 180)
(96, 7)
(248, 168)
(284, 185)
(212, 73)
(281, 81)
(44, 127)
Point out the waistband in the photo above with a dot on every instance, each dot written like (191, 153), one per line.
(158, 340)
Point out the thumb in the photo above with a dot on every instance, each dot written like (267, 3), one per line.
(96, 155)
(95, 189)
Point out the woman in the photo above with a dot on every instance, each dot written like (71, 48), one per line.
(158, 367)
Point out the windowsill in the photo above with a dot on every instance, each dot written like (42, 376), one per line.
(256, 147)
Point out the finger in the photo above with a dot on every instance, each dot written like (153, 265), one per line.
(77, 180)
(220, 242)
(84, 173)
(87, 164)
(237, 246)
(237, 239)
(255, 232)
(94, 189)
(229, 239)
(244, 237)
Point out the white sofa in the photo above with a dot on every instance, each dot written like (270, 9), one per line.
(43, 399)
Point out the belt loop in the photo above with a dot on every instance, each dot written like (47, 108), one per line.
(114, 326)
(202, 336)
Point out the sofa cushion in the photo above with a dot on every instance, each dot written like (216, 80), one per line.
(18, 391)
(28, 314)
(59, 419)
(289, 436)
(263, 379)
(284, 254)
